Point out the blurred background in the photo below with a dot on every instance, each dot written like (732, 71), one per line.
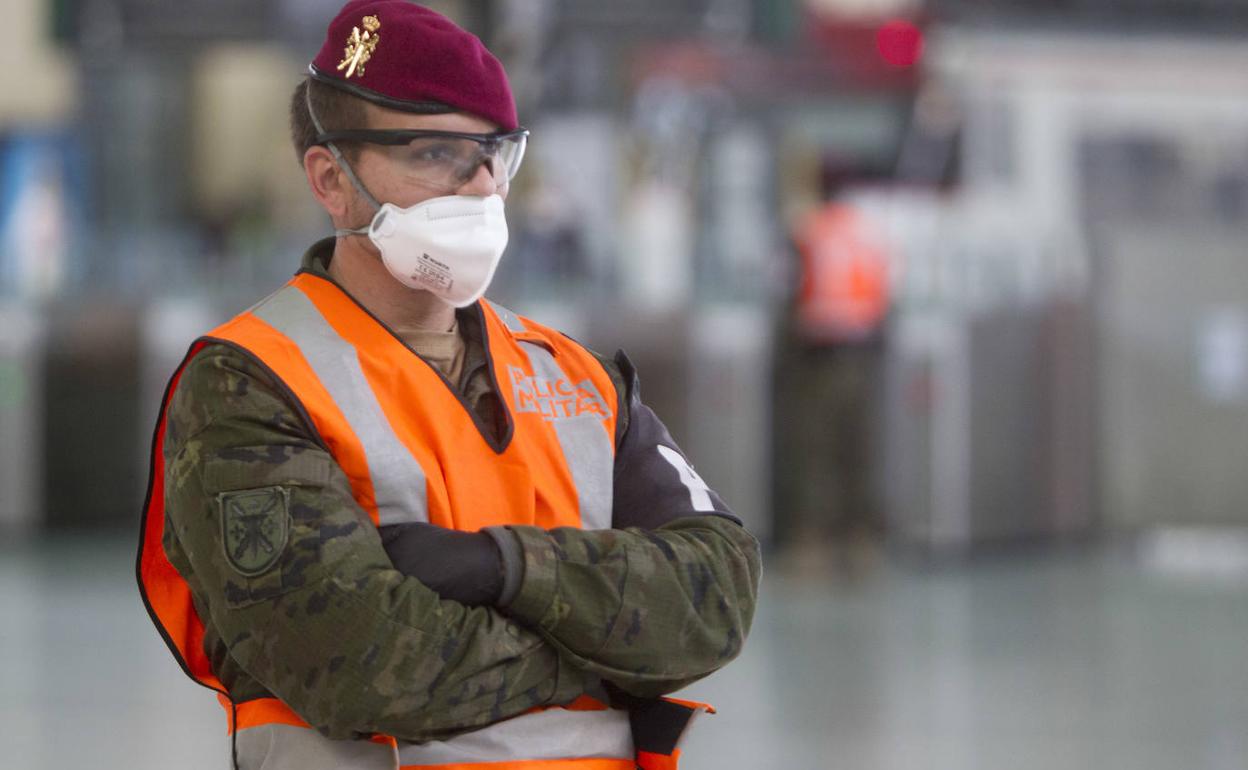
(948, 299)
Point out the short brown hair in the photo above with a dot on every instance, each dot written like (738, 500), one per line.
(335, 108)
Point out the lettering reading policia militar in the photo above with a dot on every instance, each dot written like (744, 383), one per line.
(395, 525)
(556, 399)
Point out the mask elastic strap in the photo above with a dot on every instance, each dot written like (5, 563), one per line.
(342, 162)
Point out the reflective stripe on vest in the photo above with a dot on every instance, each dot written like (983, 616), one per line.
(412, 451)
(585, 447)
(271, 736)
(547, 734)
(281, 747)
(398, 480)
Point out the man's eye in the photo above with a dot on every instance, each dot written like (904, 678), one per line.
(434, 153)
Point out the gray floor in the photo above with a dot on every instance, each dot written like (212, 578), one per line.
(1076, 660)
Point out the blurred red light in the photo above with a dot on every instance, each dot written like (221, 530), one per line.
(900, 43)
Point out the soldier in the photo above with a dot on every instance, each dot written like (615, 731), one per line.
(395, 525)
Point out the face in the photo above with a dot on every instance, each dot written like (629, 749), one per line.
(380, 169)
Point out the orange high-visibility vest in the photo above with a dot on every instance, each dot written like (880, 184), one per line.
(413, 453)
(844, 292)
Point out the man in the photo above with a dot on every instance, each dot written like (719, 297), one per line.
(395, 525)
(829, 370)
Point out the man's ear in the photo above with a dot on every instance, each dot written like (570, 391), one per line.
(329, 184)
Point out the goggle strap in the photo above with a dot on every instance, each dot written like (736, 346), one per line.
(333, 148)
(355, 181)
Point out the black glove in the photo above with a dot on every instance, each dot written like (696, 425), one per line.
(465, 567)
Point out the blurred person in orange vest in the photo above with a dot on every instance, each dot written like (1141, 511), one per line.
(843, 294)
(829, 370)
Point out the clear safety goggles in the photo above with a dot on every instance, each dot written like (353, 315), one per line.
(443, 160)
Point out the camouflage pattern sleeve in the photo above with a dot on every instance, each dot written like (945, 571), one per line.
(297, 592)
(665, 597)
(648, 610)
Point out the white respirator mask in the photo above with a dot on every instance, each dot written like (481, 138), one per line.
(448, 246)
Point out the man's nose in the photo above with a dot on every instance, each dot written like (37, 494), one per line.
(483, 182)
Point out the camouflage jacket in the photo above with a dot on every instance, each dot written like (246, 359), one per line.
(356, 647)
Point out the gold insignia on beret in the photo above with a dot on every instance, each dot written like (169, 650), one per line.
(360, 46)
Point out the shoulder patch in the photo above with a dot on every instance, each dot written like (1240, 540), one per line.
(255, 527)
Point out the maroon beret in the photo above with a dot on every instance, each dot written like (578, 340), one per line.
(406, 57)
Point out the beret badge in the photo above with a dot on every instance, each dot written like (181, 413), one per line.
(435, 66)
(360, 46)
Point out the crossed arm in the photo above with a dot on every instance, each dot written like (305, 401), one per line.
(356, 646)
